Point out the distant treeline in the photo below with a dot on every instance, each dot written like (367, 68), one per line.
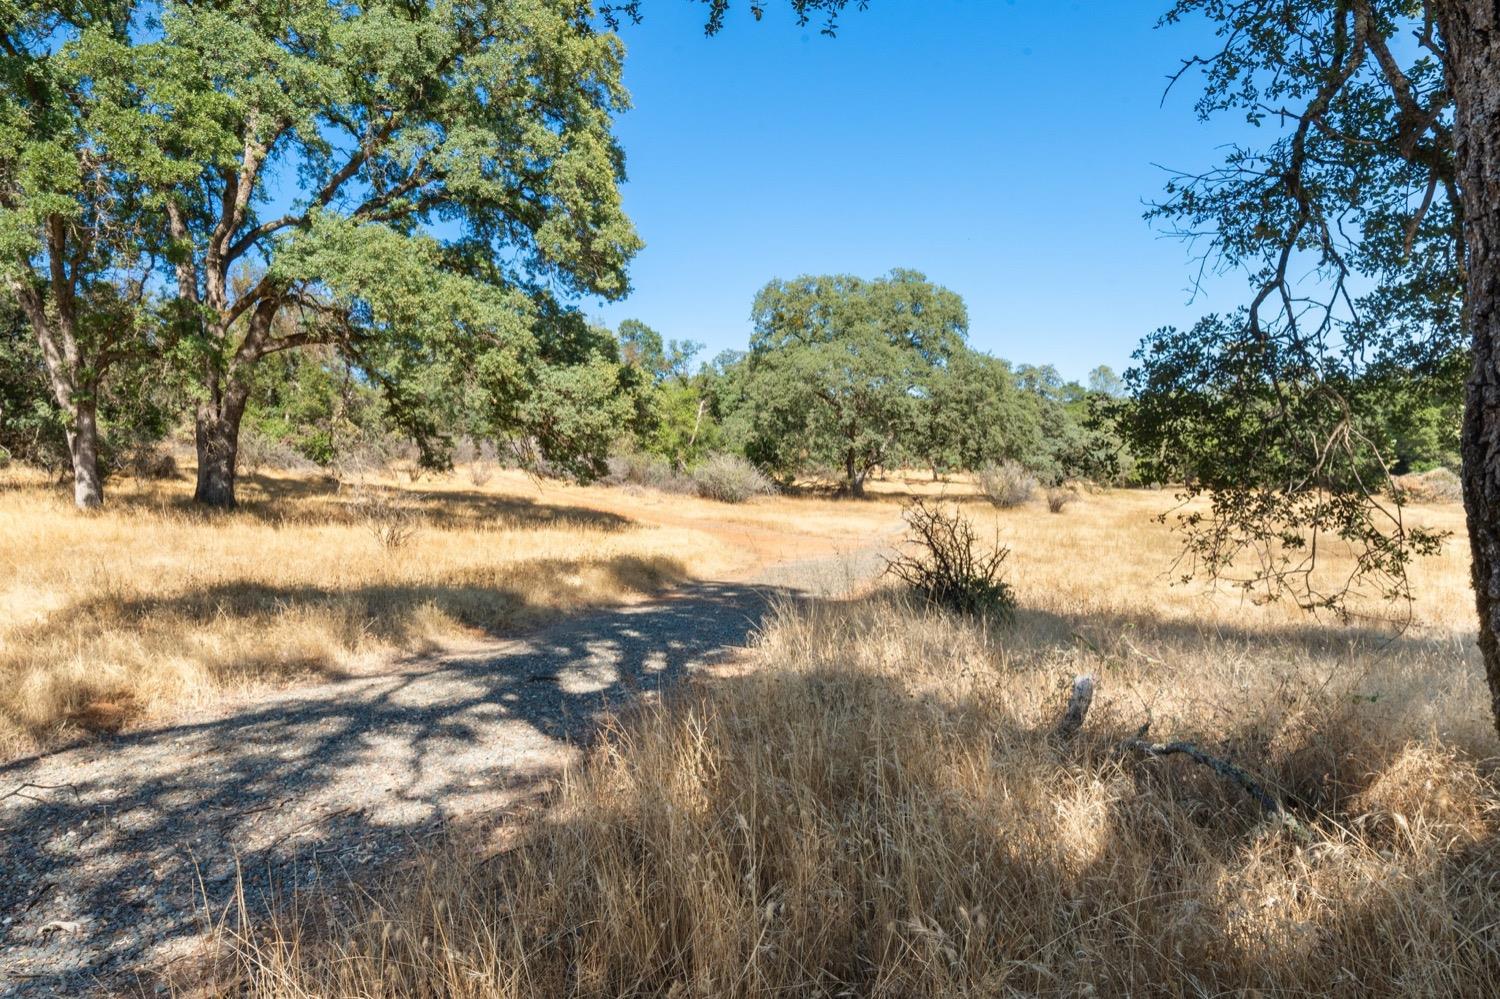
(843, 376)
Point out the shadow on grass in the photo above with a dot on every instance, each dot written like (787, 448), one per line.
(313, 501)
(830, 832)
(246, 631)
(321, 786)
(319, 781)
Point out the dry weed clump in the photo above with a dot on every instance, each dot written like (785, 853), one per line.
(393, 521)
(1437, 486)
(649, 471)
(729, 478)
(1006, 484)
(1059, 498)
(947, 566)
(878, 808)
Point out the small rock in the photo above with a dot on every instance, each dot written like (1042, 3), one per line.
(60, 926)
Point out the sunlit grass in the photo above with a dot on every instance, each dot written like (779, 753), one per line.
(154, 606)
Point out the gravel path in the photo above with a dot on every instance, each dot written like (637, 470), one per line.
(118, 854)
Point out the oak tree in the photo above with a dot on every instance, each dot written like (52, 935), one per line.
(839, 366)
(418, 183)
(1379, 178)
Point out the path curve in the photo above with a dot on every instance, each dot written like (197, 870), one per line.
(111, 848)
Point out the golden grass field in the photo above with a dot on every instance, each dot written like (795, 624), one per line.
(873, 803)
(153, 607)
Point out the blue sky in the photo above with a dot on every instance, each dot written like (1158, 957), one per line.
(1004, 147)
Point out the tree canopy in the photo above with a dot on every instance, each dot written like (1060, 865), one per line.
(418, 184)
(1348, 222)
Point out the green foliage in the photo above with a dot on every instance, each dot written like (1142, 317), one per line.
(31, 424)
(974, 414)
(442, 175)
(1289, 414)
(137, 408)
(674, 415)
(314, 404)
(1281, 445)
(839, 366)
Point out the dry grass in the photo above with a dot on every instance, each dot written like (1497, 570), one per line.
(874, 807)
(153, 607)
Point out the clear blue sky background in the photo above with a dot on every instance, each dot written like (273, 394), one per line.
(1004, 147)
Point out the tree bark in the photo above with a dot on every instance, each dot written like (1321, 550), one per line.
(854, 476)
(73, 380)
(217, 436)
(83, 448)
(1471, 31)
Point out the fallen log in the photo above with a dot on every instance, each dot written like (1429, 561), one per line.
(1076, 713)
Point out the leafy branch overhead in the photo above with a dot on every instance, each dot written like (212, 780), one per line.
(1349, 224)
(616, 11)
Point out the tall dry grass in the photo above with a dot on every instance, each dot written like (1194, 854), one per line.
(875, 806)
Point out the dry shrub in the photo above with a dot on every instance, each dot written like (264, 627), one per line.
(258, 452)
(729, 478)
(1006, 484)
(480, 473)
(1058, 499)
(950, 568)
(637, 468)
(151, 462)
(1437, 486)
(392, 520)
(877, 809)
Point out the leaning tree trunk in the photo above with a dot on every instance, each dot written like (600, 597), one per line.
(83, 449)
(217, 435)
(1471, 29)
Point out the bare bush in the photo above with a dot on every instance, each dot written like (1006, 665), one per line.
(637, 468)
(151, 462)
(730, 479)
(392, 523)
(1059, 497)
(950, 568)
(480, 472)
(258, 451)
(465, 451)
(1437, 486)
(366, 455)
(1007, 484)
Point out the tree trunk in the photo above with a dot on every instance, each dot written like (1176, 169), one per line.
(83, 448)
(217, 434)
(854, 477)
(1471, 29)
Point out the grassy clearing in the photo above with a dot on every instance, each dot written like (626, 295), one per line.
(154, 606)
(874, 806)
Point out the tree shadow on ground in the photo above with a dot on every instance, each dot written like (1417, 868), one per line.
(836, 832)
(315, 782)
(284, 500)
(238, 632)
